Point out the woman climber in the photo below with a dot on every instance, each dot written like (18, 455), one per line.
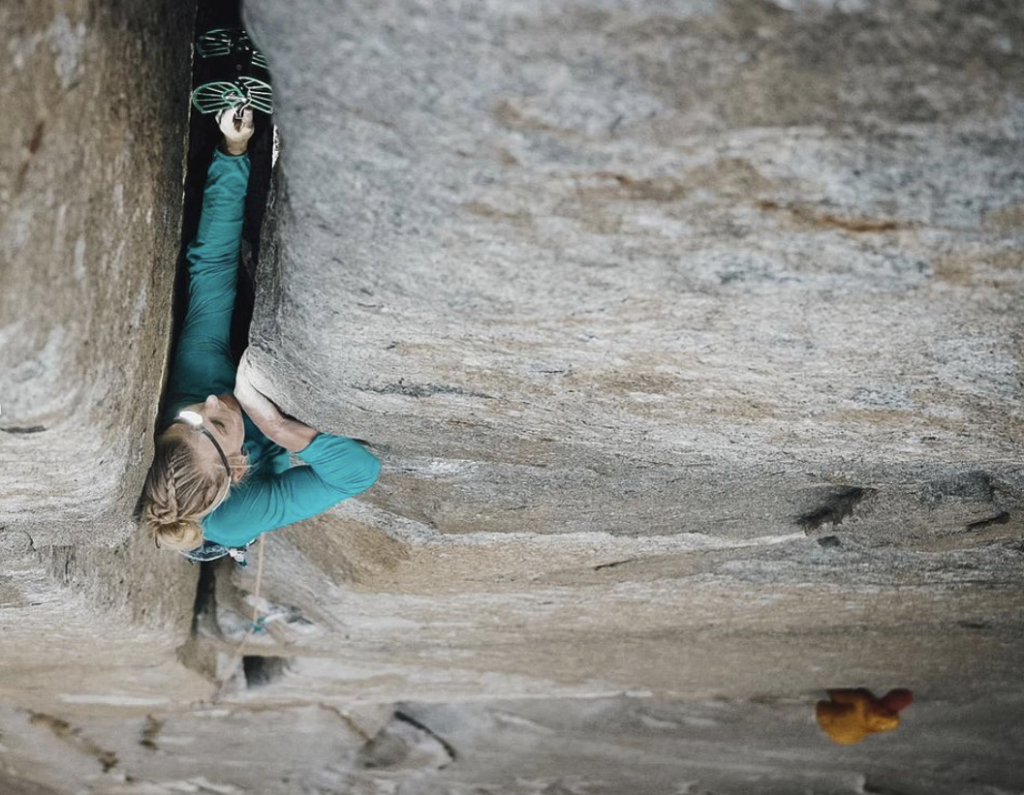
(221, 472)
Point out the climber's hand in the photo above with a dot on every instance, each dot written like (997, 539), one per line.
(259, 407)
(287, 432)
(236, 134)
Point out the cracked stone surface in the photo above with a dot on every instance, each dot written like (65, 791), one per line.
(90, 225)
(602, 747)
(650, 270)
(689, 337)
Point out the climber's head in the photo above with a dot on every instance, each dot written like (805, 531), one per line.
(222, 417)
(188, 479)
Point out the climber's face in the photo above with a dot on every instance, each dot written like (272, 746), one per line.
(222, 417)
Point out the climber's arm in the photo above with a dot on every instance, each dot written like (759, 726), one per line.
(202, 362)
(339, 468)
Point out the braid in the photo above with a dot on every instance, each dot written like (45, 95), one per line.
(172, 487)
(179, 492)
(166, 511)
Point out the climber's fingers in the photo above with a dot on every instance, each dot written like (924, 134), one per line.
(246, 122)
(236, 131)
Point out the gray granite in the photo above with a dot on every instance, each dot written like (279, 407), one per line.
(688, 334)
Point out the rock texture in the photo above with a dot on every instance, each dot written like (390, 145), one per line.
(94, 98)
(95, 102)
(650, 270)
(688, 334)
(603, 747)
(680, 330)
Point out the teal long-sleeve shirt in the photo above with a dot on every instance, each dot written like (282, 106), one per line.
(274, 493)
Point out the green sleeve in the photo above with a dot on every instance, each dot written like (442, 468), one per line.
(202, 361)
(339, 468)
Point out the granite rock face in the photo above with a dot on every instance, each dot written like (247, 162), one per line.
(603, 747)
(654, 269)
(94, 102)
(688, 335)
(653, 313)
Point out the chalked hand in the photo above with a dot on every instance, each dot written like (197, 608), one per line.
(236, 133)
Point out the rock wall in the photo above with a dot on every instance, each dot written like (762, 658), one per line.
(653, 313)
(687, 333)
(94, 98)
(602, 747)
(652, 270)
(91, 186)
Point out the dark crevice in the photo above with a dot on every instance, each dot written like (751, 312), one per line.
(260, 671)
(422, 390)
(150, 732)
(1003, 517)
(27, 429)
(205, 605)
(873, 788)
(405, 717)
(836, 507)
(203, 138)
(614, 563)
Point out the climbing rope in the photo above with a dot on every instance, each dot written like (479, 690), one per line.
(256, 626)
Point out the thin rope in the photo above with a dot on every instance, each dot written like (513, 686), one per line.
(255, 626)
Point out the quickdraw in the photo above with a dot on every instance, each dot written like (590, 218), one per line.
(213, 551)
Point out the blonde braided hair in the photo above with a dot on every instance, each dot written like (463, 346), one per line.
(180, 490)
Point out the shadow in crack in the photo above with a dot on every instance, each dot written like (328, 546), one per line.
(260, 671)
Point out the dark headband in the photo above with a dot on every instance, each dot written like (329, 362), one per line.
(212, 439)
